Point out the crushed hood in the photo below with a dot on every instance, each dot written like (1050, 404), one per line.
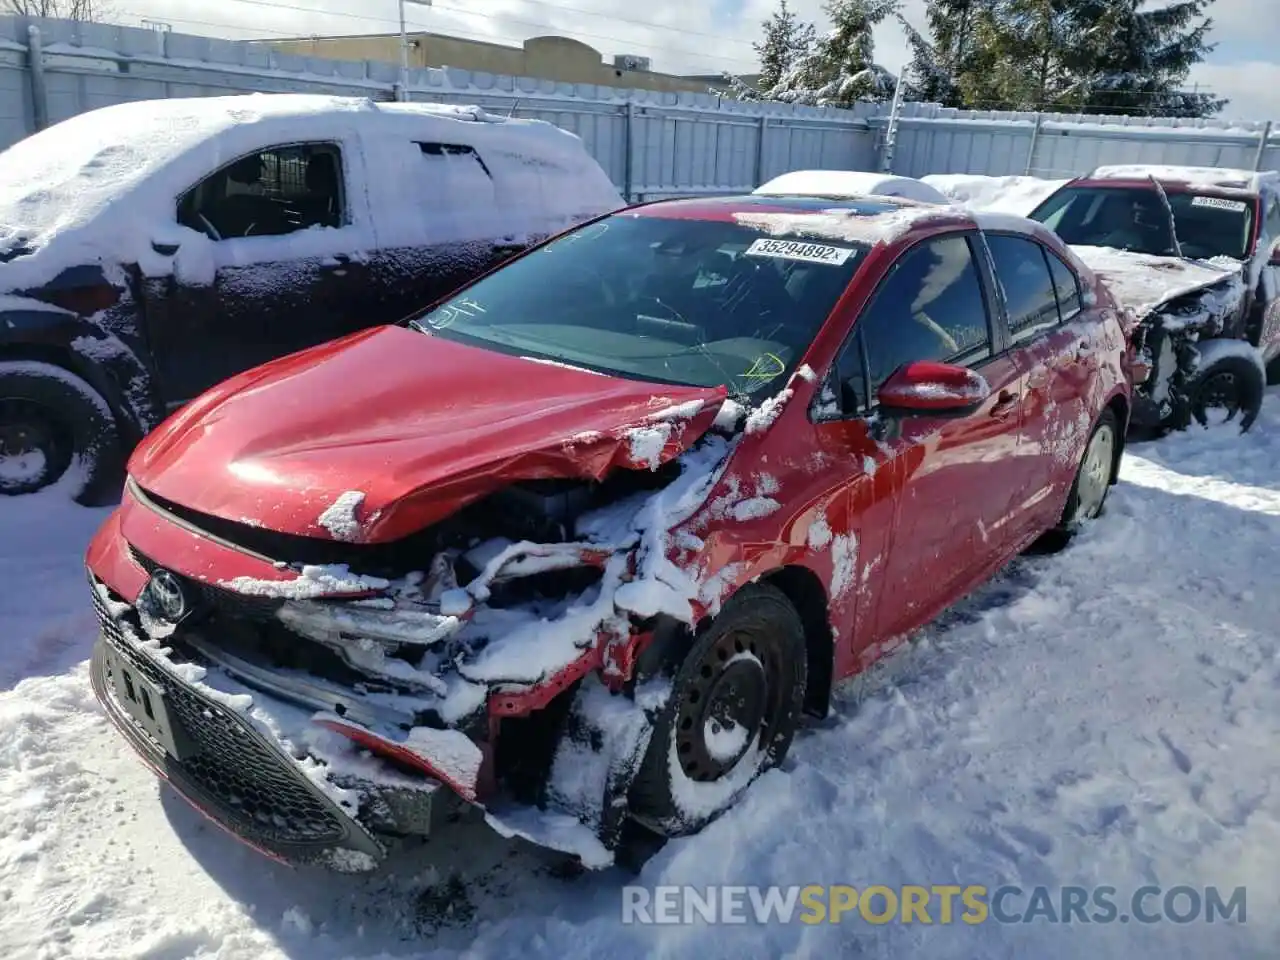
(371, 437)
(1142, 283)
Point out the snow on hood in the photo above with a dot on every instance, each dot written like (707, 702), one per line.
(391, 430)
(1141, 282)
(104, 184)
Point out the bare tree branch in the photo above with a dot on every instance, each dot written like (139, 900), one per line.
(62, 9)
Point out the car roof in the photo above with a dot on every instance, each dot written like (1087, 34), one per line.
(1191, 178)
(863, 220)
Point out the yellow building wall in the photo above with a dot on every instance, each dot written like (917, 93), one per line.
(547, 58)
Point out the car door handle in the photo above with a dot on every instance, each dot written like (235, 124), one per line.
(1005, 404)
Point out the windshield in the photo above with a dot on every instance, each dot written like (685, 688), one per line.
(696, 302)
(1134, 218)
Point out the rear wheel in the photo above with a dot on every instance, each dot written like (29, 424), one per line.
(1089, 490)
(54, 428)
(733, 710)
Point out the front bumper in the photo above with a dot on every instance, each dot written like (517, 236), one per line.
(243, 778)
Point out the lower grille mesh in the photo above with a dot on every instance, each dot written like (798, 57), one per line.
(257, 791)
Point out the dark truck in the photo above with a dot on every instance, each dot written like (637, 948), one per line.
(1191, 254)
(150, 250)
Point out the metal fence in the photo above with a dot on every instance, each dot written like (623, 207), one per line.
(653, 144)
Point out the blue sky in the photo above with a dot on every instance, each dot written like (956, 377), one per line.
(680, 35)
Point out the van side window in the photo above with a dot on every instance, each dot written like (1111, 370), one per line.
(455, 150)
(274, 192)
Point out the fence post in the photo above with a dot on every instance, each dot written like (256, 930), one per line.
(39, 92)
(628, 139)
(1035, 139)
(764, 127)
(891, 131)
(1262, 146)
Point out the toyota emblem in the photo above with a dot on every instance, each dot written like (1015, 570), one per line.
(167, 597)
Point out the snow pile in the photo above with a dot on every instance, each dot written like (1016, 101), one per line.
(339, 518)
(314, 581)
(848, 183)
(1015, 195)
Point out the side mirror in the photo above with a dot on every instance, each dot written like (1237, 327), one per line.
(925, 388)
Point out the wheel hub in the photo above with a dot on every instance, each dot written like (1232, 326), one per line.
(724, 709)
(1095, 473)
(33, 451)
(1219, 392)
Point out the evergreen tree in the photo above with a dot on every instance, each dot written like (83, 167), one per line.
(1143, 56)
(841, 70)
(930, 78)
(786, 40)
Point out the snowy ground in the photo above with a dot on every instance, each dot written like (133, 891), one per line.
(1107, 716)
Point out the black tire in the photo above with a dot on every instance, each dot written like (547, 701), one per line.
(750, 663)
(1232, 384)
(55, 428)
(1273, 372)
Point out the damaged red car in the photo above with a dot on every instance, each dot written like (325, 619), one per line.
(577, 548)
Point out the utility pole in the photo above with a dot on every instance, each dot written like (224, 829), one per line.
(402, 92)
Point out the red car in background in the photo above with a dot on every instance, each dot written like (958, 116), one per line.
(578, 546)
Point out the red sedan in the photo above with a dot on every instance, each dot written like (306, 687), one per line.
(578, 546)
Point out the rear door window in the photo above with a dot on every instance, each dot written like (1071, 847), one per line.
(1028, 285)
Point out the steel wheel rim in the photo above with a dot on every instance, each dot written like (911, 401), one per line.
(34, 448)
(1218, 392)
(1095, 473)
(729, 705)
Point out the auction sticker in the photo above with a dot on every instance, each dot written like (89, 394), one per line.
(796, 250)
(1218, 203)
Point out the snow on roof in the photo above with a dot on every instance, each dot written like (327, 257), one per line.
(1015, 195)
(848, 184)
(849, 224)
(1192, 176)
(137, 159)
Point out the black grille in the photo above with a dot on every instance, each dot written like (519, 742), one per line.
(252, 787)
(210, 598)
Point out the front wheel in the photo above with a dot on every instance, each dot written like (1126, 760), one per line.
(733, 710)
(1228, 388)
(54, 429)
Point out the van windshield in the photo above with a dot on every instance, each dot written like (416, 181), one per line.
(673, 300)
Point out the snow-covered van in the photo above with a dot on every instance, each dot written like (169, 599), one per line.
(149, 250)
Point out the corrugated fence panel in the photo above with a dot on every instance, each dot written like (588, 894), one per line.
(651, 144)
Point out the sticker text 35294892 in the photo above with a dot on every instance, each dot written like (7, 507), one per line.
(797, 250)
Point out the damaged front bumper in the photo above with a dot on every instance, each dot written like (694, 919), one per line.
(313, 726)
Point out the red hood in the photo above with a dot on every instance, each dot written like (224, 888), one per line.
(419, 425)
